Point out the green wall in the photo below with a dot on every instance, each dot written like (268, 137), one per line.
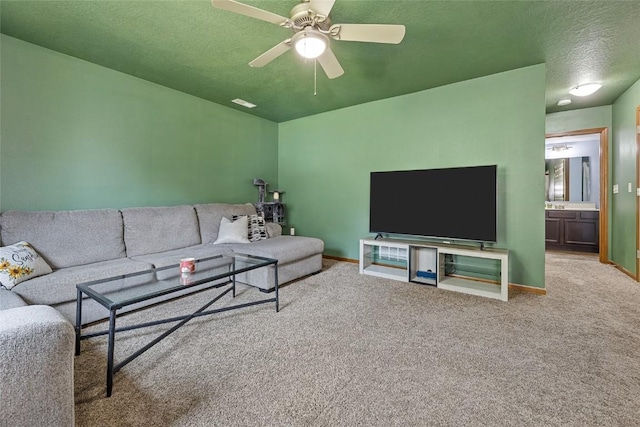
(623, 204)
(325, 160)
(586, 118)
(77, 135)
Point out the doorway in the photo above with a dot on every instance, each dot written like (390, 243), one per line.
(603, 166)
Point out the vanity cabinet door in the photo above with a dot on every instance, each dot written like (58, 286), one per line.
(572, 230)
(553, 230)
(581, 232)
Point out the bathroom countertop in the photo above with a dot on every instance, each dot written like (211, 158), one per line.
(572, 209)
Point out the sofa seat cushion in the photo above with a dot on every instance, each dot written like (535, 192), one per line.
(210, 215)
(60, 286)
(164, 259)
(283, 248)
(67, 238)
(159, 229)
(10, 299)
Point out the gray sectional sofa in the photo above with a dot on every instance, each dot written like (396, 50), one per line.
(86, 245)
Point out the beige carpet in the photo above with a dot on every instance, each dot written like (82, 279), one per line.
(351, 350)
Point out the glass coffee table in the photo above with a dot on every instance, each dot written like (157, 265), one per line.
(127, 291)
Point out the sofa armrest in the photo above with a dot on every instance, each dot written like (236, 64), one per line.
(36, 367)
(273, 229)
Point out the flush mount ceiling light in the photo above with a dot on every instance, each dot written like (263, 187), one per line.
(585, 89)
(564, 102)
(310, 43)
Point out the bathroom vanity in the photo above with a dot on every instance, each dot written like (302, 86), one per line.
(572, 229)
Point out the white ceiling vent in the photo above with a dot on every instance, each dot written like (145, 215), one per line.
(243, 103)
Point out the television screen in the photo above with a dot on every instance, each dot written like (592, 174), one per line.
(452, 203)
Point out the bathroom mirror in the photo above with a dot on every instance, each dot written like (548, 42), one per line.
(568, 179)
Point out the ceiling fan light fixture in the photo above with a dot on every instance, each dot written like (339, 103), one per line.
(310, 43)
(585, 89)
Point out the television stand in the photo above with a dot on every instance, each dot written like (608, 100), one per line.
(471, 270)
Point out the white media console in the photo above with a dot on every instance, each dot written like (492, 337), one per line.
(435, 264)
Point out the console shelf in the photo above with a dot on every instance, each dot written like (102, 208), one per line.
(436, 264)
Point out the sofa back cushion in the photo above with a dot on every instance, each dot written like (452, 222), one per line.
(210, 215)
(158, 229)
(67, 238)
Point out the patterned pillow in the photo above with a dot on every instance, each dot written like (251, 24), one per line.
(20, 262)
(257, 228)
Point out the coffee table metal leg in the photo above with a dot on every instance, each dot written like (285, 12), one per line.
(275, 274)
(233, 278)
(112, 332)
(78, 321)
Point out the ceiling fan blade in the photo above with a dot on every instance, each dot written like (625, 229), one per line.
(330, 64)
(271, 54)
(253, 12)
(373, 33)
(321, 7)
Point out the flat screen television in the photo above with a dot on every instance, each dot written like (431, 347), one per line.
(453, 203)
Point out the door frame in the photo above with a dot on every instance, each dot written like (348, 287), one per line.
(637, 195)
(603, 250)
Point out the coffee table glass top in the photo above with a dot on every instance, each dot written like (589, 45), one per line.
(120, 291)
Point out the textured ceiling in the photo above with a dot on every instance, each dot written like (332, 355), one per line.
(192, 47)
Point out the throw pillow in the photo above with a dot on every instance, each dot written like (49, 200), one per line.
(20, 262)
(257, 229)
(233, 231)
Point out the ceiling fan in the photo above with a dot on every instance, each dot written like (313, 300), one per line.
(312, 28)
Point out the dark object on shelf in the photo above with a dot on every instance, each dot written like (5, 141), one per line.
(570, 230)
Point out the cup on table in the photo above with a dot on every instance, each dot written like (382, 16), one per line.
(187, 265)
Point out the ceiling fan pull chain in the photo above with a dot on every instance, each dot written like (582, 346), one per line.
(315, 77)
